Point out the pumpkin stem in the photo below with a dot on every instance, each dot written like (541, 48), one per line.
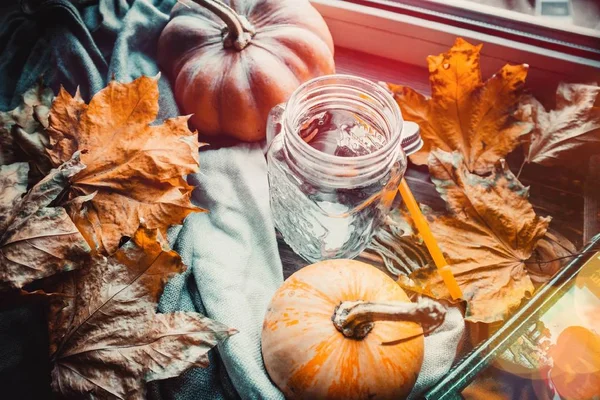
(239, 30)
(355, 319)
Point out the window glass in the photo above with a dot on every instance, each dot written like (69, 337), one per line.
(581, 13)
(566, 26)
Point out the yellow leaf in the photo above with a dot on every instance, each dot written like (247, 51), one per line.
(135, 171)
(464, 113)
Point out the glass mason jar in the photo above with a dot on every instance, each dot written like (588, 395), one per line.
(335, 161)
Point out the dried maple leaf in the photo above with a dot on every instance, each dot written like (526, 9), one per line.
(22, 130)
(560, 136)
(490, 231)
(136, 170)
(13, 181)
(551, 254)
(106, 339)
(465, 114)
(36, 240)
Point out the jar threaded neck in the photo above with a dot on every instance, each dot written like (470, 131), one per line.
(365, 99)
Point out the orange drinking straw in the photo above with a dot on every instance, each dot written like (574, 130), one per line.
(430, 242)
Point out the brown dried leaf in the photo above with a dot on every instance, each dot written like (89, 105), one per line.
(464, 113)
(397, 243)
(105, 335)
(22, 130)
(136, 170)
(13, 181)
(561, 136)
(36, 240)
(552, 253)
(490, 231)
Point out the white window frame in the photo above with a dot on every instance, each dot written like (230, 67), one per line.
(409, 39)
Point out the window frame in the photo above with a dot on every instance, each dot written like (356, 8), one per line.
(498, 22)
(387, 29)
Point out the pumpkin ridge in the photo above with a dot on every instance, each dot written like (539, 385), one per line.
(278, 58)
(306, 287)
(300, 18)
(326, 356)
(195, 10)
(278, 27)
(185, 57)
(250, 86)
(218, 93)
(209, 18)
(182, 80)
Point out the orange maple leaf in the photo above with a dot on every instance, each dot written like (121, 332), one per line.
(135, 171)
(464, 113)
(488, 235)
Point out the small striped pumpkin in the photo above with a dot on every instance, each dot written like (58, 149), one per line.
(317, 344)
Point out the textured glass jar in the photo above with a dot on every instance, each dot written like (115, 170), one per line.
(329, 194)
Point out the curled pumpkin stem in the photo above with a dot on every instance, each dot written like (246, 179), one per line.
(239, 30)
(355, 319)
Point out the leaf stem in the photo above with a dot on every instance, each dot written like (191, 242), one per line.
(521, 168)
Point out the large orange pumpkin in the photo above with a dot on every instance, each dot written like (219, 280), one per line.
(231, 61)
(332, 331)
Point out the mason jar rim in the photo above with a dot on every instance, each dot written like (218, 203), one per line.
(334, 79)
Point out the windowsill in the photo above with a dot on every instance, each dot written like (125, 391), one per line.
(376, 68)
